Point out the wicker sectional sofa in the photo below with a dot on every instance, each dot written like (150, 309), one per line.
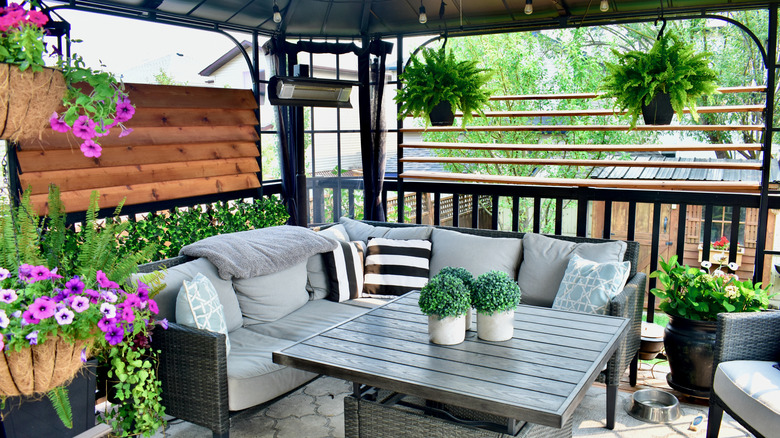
(202, 384)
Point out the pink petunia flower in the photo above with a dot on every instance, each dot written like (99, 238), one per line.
(124, 111)
(58, 124)
(153, 306)
(132, 300)
(8, 295)
(29, 318)
(42, 308)
(84, 128)
(104, 282)
(39, 273)
(125, 132)
(37, 18)
(79, 304)
(90, 149)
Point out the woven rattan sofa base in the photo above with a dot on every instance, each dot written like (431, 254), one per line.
(365, 418)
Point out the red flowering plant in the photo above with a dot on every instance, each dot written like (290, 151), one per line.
(721, 244)
(95, 101)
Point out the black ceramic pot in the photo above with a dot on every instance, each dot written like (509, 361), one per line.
(659, 111)
(690, 347)
(442, 114)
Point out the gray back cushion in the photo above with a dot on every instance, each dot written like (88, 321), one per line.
(269, 297)
(545, 260)
(361, 231)
(317, 277)
(175, 276)
(477, 254)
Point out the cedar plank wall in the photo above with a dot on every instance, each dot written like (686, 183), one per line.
(186, 141)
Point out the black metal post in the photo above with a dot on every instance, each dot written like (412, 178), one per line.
(400, 135)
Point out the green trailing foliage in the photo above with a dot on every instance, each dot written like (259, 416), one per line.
(440, 77)
(445, 295)
(495, 291)
(61, 403)
(670, 66)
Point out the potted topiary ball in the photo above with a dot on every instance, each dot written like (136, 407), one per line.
(445, 299)
(495, 296)
(467, 279)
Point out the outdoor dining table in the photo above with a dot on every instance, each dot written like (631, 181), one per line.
(539, 376)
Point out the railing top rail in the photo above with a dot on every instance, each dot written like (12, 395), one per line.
(585, 147)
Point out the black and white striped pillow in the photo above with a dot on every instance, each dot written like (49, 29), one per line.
(395, 267)
(345, 270)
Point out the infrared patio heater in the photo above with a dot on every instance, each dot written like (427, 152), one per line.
(305, 91)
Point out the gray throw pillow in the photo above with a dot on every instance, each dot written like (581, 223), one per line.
(316, 275)
(588, 287)
(267, 298)
(545, 260)
(175, 276)
(198, 306)
(477, 254)
(361, 231)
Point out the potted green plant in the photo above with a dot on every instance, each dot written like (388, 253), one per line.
(692, 298)
(437, 83)
(467, 279)
(495, 295)
(445, 299)
(94, 100)
(662, 81)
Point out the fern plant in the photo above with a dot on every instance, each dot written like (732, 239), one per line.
(440, 77)
(671, 66)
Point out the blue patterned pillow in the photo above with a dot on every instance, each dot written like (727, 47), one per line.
(588, 287)
(198, 306)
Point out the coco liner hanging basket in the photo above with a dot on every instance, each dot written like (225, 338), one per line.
(40, 368)
(27, 100)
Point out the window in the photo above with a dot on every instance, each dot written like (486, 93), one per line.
(721, 224)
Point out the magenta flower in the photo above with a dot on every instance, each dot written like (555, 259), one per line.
(33, 338)
(143, 293)
(125, 132)
(105, 323)
(79, 304)
(42, 308)
(37, 18)
(74, 285)
(29, 318)
(64, 316)
(132, 300)
(108, 310)
(104, 282)
(90, 149)
(4, 321)
(124, 111)
(53, 274)
(164, 323)
(8, 295)
(4, 273)
(93, 295)
(153, 307)
(114, 335)
(58, 124)
(127, 314)
(84, 128)
(39, 273)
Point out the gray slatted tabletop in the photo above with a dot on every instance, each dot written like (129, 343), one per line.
(539, 376)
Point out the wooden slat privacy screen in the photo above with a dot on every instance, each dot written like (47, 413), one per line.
(186, 141)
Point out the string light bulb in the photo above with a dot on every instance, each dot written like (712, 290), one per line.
(423, 15)
(277, 14)
(604, 5)
(529, 7)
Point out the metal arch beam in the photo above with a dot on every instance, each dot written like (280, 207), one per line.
(364, 16)
(745, 29)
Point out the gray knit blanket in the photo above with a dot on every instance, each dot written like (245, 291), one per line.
(248, 254)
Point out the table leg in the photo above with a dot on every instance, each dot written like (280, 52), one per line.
(513, 426)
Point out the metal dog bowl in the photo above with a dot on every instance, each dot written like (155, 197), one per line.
(653, 406)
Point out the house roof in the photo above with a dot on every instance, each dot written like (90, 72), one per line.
(683, 174)
(358, 18)
(224, 59)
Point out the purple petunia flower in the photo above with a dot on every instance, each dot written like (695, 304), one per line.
(124, 111)
(83, 354)
(114, 335)
(33, 338)
(164, 323)
(53, 274)
(125, 132)
(79, 304)
(93, 295)
(4, 321)
(153, 306)
(84, 128)
(74, 285)
(143, 294)
(90, 149)
(105, 323)
(61, 296)
(4, 273)
(64, 316)
(8, 295)
(104, 282)
(25, 272)
(42, 308)
(132, 300)
(108, 310)
(58, 124)
(127, 314)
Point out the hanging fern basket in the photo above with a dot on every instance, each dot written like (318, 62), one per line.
(659, 111)
(40, 368)
(27, 100)
(442, 115)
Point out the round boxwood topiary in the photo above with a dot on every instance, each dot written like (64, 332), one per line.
(445, 295)
(495, 291)
(462, 273)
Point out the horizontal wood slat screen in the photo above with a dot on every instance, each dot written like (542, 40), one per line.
(590, 128)
(609, 112)
(589, 163)
(186, 141)
(584, 147)
(751, 89)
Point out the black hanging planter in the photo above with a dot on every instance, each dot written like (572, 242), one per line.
(659, 111)
(31, 417)
(442, 115)
(690, 347)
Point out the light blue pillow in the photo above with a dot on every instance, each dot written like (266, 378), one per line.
(588, 287)
(198, 306)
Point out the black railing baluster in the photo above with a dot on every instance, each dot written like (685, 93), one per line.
(515, 213)
(474, 211)
(707, 235)
(437, 208)
(654, 258)
(582, 217)
(351, 201)
(631, 224)
(559, 216)
(682, 218)
(734, 238)
(455, 210)
(494, 217)
(607, 232)
(537, 214)
(418, 208)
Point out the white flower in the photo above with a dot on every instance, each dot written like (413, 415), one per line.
(731, 292)
(108, 310)
(733, 266)
(4, 319)
(706, 264)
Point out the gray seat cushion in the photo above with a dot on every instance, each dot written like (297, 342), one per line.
(253, 377)
(310, 319)
(545, 260)
(751, 389)
(477, 254)
(269, 297)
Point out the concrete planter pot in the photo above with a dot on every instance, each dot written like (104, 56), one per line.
(447, 331)
(469, 319)
(497, 326)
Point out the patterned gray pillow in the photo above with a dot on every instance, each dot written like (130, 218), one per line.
(198, 306)
(588, 287)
